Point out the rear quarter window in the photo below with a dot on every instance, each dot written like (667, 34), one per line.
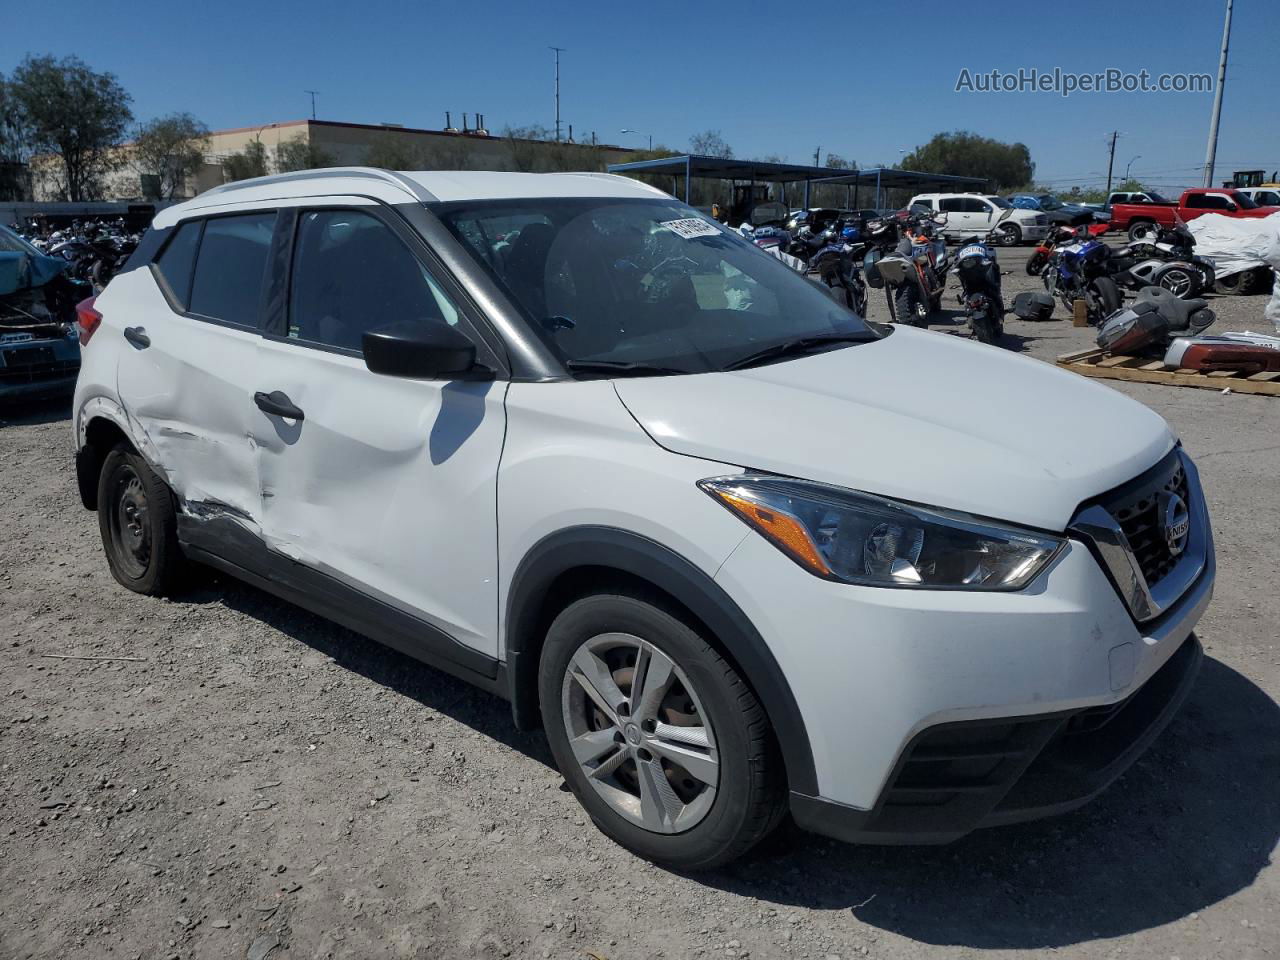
(176, 262)
(230, 266)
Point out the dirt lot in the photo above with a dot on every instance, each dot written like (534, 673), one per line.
(254, 781)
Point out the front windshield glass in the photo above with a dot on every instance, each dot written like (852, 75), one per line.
(642, 282)
(1001, 202)
(1049, 202)
(10, 242)
(1243, 201)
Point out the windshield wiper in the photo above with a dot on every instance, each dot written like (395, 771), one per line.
(796, 347)
(621, 368)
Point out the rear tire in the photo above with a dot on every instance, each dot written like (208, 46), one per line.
(1140, 230)
(984, 330)
(678, 716)
(909, 308)
(1103, 297)
(139, 526)
(1237, 284)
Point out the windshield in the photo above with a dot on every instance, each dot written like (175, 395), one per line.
(1001, 202)
(1049, 202)
(647, 283)
(1243, 202)
(10, 242)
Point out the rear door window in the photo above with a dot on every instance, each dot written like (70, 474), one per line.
(175, 265)
(227, 284)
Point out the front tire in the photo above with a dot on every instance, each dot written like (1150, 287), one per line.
(661, 741)
(1141, 230)
(138, 524)
(1036, 263)
(1010, 235)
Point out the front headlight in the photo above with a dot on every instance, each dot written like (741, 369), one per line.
(859, 538)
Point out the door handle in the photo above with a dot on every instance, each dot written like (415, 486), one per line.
(277, 403)
(138, 337)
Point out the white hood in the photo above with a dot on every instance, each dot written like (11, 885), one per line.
(918, 416)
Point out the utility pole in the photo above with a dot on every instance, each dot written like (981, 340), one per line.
(1112, 160)
(1211, 151)
(558, 51)
(816, 154)
(313, 101)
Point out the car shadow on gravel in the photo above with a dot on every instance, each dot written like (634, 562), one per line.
(1193, 822)
(454, 698)
(18, 413)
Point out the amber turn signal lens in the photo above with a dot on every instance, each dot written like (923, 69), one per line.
(784, 530)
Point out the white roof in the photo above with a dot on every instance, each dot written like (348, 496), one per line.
(425, 186)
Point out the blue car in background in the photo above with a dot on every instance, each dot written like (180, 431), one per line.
(1059, 214)
(39, 340)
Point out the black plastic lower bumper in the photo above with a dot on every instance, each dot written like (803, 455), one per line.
(956, 777)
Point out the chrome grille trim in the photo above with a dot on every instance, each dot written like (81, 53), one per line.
(1098, 527)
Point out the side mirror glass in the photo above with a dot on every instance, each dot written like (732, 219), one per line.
(429, 350)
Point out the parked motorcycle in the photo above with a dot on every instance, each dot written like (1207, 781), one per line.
(915, 273)
(1043, 252)
(838, 265)
(1081, 270)
(1166, 260)
(980, 294)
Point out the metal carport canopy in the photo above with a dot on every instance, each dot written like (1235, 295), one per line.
(722, 168)
(886, 178)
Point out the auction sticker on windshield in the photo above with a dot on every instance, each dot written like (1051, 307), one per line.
(692, 227)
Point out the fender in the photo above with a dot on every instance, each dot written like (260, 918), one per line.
(639, 556)
(89, 454)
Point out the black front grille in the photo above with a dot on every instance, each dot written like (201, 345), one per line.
(1138, 513)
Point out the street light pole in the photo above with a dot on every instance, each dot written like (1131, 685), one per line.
(1130, 164)
(1211, 151)
(632, 130)
(558, 51)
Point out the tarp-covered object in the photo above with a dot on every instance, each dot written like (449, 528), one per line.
(20, 270)
(1237, 243)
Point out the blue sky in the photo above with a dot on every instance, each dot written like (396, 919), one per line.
(865, 81)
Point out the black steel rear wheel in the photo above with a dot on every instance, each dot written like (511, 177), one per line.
(138, 524)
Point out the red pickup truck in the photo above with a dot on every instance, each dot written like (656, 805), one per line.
(1141, 219)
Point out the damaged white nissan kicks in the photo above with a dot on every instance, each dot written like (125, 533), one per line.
(738, 551)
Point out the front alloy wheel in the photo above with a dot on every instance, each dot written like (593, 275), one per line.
(639, 733)
(656, 734)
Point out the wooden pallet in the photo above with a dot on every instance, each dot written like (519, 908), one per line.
(1096, 363)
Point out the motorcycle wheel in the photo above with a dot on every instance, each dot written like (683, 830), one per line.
(1183, 284)
(1036, 262)
(984, 329)
(909, 308)
(1103, 297)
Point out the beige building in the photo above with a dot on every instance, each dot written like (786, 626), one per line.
(352, 144)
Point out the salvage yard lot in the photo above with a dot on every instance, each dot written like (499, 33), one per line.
(249, 780)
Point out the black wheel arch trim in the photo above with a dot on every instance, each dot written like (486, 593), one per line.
(639, 556)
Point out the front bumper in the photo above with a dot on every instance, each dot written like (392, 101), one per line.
(931, 713)
(954, 778)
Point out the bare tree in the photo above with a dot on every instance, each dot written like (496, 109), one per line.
(170, 149)
(709, 143)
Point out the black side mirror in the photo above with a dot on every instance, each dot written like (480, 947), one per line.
(423, 351)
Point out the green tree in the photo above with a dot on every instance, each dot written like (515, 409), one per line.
(249, 162)
(75, 114)
(394, 151)
(15, 145)
(709, 143)
(300, 153)
(961, 153)
(171, 149)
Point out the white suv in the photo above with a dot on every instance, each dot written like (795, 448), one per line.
(737, 550)
(971, 214)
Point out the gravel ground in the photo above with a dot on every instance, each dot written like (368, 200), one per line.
(254, 781)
